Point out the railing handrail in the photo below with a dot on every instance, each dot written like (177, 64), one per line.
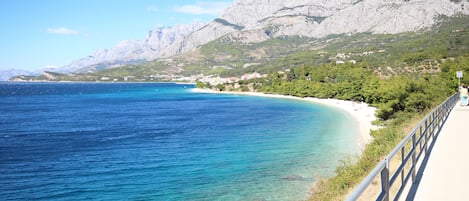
(434, 119)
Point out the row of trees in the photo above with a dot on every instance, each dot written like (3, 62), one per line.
(392, 96)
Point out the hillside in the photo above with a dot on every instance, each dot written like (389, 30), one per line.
(404, 76)
(256, 22)
(385, 54)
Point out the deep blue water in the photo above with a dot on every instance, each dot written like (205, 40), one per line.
(154, 141)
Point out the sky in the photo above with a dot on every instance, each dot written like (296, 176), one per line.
(53, 33)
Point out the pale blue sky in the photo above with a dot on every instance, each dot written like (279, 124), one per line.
(45, 33)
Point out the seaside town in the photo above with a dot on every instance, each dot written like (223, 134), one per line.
(209, 79)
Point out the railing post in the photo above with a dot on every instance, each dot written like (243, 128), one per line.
(421, 137)
(435, 123)
(402, 164)
(445, 113)
(414, 165)
(385, 181)
(441, 115)
(426, 136)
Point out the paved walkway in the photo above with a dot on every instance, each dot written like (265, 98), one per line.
(446, 174)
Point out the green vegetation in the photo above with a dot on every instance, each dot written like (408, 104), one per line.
(421, 75)
(385, 54)
(226, 23)
(399, 99)
(200, 85)
(233, 56)
(403, 75)
(353, 82)
(439, 86)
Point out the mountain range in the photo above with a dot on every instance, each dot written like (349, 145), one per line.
(256, 21)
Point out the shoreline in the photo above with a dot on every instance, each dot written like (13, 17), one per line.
(362, 113)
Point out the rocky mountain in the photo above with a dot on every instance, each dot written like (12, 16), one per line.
(7, 74)
(252, 21)
(132, 51)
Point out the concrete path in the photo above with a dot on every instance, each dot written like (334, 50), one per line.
(446, 174)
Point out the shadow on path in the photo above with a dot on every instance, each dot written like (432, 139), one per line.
(418, 177)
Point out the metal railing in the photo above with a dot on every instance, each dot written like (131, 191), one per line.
(394, 175)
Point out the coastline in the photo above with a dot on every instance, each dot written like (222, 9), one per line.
(363, 114)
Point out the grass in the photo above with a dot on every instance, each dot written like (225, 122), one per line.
(350, 173)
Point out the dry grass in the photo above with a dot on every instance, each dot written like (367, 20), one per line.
(327, 189)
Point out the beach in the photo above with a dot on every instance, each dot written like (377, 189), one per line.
(363, 114)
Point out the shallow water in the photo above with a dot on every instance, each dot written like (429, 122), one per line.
(154, 141)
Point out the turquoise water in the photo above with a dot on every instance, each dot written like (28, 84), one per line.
(94, 141)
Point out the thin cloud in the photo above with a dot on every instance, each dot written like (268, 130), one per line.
(152, 9)
(48, 67)
(203, 8)
(62, 31)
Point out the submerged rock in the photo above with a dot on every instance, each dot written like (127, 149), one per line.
(292, 178)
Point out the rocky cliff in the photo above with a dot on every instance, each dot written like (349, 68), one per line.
(7, 74)
(251, 21)
(133, 51)
(264, 19)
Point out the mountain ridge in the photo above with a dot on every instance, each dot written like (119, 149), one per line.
(386, 55)
(132, 51)
(255, 21)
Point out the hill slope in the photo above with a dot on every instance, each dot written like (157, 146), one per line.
(386, 54)
(256, 21)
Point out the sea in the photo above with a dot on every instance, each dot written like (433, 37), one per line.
(163, 141)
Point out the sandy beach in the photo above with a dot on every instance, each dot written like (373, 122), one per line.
(361, 112)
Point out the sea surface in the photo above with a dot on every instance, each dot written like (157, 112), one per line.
(162, 141)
